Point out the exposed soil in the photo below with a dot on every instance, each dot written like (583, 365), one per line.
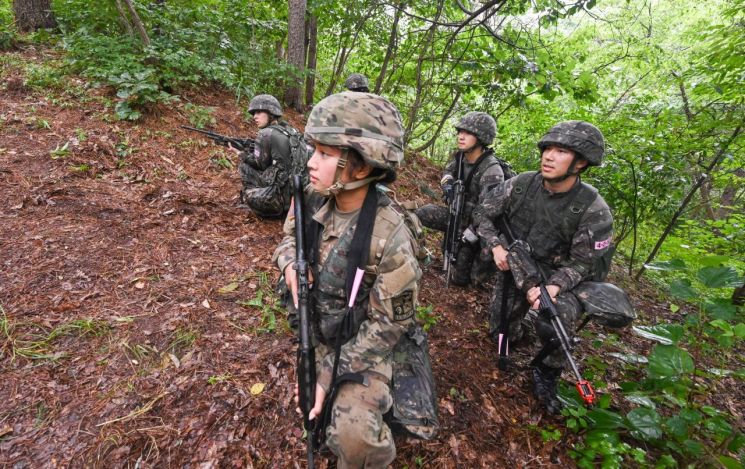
(124, 259)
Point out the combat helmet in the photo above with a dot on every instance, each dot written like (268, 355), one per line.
(579, 136)
(365, 122)
(265, 102)
(480, 124)
(357, 82)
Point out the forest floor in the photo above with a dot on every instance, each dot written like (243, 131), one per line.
(138, 322)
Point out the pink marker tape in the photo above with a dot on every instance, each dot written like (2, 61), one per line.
(356, 286)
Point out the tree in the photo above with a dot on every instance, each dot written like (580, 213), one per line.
(33, 14)
(296, 52)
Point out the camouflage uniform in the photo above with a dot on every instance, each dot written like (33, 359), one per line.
(386, 301)
(537, 217)
(474, 262)
(265, 171)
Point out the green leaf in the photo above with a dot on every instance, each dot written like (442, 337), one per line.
(729, 463)
(718, 277)
(677, 427)
(693, 448)
(682, 289)
(739, 330)
(605, 419)
(641, 399)
(644, 424)
(632, 358)
(721, 308)
(669, 361)
(674, 264)
(667, 334)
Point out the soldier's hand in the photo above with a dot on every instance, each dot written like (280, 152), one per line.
(500, 258)
(534, 295)
(447, 193)
(235, 150)
(318, 407)
(291, 281)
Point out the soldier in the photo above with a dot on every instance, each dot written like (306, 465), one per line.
(569, 229)
(265, 170)
(358, 143)
(357, 82)
(482, 170)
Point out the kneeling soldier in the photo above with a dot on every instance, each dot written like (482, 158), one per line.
(358, 142)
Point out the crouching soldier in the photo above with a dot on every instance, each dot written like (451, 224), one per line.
(265, 169)
(351, 228)
(564, 233)
(473, 168)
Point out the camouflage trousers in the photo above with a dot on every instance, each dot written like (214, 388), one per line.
(357, 434)
(520, 317)
(473, 263)
(265, 200)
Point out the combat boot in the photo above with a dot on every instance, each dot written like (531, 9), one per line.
(545, 382)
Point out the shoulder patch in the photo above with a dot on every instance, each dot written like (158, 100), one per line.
(403, 306)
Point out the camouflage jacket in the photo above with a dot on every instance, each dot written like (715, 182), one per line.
(271, 155)
(389, 289)
(568, 253)
(488, 174)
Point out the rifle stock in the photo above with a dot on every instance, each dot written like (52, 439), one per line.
(306, 362)
(242, 144)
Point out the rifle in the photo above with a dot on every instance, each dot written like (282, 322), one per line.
(561, 338)
(242, 144)
(306, 361)
(455, 206)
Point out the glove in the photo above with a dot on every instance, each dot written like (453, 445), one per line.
(447, 193)
(469, 236)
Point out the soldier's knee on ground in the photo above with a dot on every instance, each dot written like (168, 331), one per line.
(357, 433)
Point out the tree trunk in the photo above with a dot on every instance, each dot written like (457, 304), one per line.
(31, 15)
(137, 23)
(310, 80)
(392, 45)
(296, 53)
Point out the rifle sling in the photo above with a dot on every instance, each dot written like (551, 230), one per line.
(359, 252)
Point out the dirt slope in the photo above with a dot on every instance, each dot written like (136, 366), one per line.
(124, 344)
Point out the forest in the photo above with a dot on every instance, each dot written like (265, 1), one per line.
(139, 325)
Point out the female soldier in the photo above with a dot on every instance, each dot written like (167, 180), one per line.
(358, 143)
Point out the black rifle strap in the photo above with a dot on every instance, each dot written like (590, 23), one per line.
(359, 251)
(467, 182)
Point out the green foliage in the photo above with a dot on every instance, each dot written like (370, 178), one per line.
(268, 304)
(666, 416)
(137, 91)
(426, 316)
(200, 116)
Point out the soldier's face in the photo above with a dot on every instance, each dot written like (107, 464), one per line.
(555, 162)
(261, 118)
(322, 166)
(466, 140)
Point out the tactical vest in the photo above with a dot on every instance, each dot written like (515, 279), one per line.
(548, 224)
(329, 293)
(472, 179)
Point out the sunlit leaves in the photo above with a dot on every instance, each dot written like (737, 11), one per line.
(669, 361)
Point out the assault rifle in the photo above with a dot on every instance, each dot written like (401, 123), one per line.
(455, 207)
(306, 361)
(522, 250)
(242, 144)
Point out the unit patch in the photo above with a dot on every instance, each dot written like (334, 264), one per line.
(403, 306)
(602, 244)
